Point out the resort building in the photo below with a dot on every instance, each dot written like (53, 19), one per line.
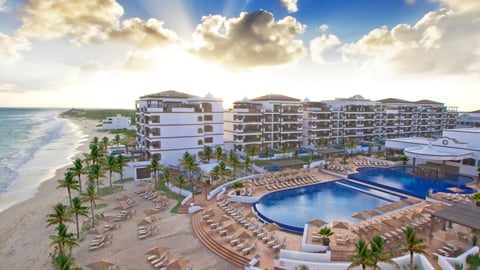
(266, 122)
(457, 151)
(170, 123)
(471, 119)
(117, 122)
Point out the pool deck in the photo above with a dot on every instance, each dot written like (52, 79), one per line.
(341, 251)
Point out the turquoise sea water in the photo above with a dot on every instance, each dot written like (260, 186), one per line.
(34, 143)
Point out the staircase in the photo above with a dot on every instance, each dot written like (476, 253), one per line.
(183, 209)
(204, 236)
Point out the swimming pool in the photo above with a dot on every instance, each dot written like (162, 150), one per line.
(335, 200)
(399, 179)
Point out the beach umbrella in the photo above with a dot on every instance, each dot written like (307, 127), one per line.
(223, 218)
(455, 189)
(100, 265)
(251, 214)
(122, 206)
(404, 219)
(96, 231)
(371, 212)
(360, 216)
(380, 227)
(151, 211)
(272, 227)
(245, 235)
(157, 251)
(392, 222)
(123, 197)
(340, 225)
(317, 222)
(412, 200)
(383, 208)
(177, 265)
(109, 218)
(145, 221)
(231, 227)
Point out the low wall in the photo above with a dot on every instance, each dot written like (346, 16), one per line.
(186, 193)
(305, 247)
(214, 192)
(447, 263)
(242, 199)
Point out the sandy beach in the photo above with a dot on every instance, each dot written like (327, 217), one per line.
(24, 238)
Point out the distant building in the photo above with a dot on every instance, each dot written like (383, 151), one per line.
(469, 119)
(117, 122)
(170, 123)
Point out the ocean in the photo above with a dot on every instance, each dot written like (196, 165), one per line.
(34, 143)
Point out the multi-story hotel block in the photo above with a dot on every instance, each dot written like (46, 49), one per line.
(170, 123)
(266, 122)
(280, 122)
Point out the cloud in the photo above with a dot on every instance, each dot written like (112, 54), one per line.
(90, 21)
(290, 5)
(7, 87)
(138, 62)
(253, 39)
(319, 46)
(143, 34)
(410, 2)
(323, 27)
(466, 6)
(11, 46)
(2, 5)
(445, 41)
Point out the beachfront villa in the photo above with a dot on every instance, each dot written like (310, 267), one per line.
(117, 122)
(170, 123)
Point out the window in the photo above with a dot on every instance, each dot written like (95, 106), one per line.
(209, 140)
(208, 128)
(200, 130)
(157, 156)
(208, 117)
(468, 162)
(199, 119)
(200, 142)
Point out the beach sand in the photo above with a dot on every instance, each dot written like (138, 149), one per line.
(24, 238)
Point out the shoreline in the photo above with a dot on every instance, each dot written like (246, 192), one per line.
(24, 240)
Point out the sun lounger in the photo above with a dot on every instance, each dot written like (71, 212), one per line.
(248, 249)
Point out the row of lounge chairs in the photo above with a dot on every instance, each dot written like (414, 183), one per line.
(458, 198)
(446, 250)
(146, 231)
(159, 262)
(253, 225)
(124, 214)
(367, 162)
(336, 167)
(149, 195)
(129, 203)
(100, 241)
(289, 182)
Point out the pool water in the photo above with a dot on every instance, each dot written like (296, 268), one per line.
(399, 179)
(293, 208)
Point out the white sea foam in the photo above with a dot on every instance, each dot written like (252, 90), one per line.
(43, 144)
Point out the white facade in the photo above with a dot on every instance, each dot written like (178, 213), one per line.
(471, 119)
(171, 123)
(117, 122)
(455, 142)
(266, 122)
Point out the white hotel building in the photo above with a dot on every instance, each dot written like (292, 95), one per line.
(170, 123)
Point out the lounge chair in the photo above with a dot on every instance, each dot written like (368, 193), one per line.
(248, 249)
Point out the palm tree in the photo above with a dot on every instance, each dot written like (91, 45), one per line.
(95, 173)
(189, 164)
(247, 163)
(63, 239)
(78, 170)
(404, 159)
(215, 172)
(94, 141)
(69, 183)
(321, 143)
(90, 196)
(110, 166)
(378, 253)
(252, 150)
(105, 143)
(116, 140)
(94, 156)
(206, 154)
(412, 244)
(63, 262)
(121, 162)
(234, 161)
(79, 210)
(60, 215)
(219, 155)
(181, 183)
(154, 167)
(224, 171)
(362, 256)
(166, 175)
